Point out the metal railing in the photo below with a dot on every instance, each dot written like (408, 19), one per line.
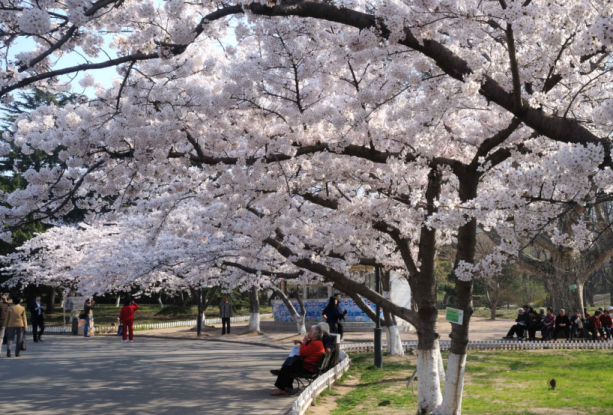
(152, 326)
(494, 345)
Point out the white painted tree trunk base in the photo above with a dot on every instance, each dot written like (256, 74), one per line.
(441, 366)
(394, 342)
(454, 385)
(254, 322)
(429, 396)
(300, 326)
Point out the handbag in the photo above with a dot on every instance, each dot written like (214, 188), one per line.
(23, 346)
(292, 360)
(120, 331)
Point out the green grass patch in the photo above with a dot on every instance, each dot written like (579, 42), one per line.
(497, 382)
(107, 314)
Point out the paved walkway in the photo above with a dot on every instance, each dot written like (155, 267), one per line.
(74, 375)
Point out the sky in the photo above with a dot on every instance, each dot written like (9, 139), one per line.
(105, 76)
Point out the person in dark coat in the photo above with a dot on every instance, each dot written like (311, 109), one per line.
(548, 324)
(225, 313)
(37, 312)
(331, 313)
(534, 324)
(576, 326)
(523, 322)
(562, 324)
(341, 313)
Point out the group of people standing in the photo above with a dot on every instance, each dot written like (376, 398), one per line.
(14, 323)
(577, 326)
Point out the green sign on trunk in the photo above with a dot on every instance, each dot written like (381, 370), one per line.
(573, 287)
(455, 316)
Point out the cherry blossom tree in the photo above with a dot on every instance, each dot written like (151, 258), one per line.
(329, 133)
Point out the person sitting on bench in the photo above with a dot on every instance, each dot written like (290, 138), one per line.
(562, 324)
(311, 349)
(606, 322)
(535, 324)
(326, 339)
(593, 326)
(523, 321)
(576, 326)
(548, 324)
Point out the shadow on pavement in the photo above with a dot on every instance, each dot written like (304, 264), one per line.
(73, 375)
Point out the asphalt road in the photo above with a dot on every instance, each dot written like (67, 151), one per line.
(101, 375)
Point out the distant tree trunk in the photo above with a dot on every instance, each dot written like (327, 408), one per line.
(394, 342)
(50, 306)
(299, 318)
(254, 309)
(493, 300)
(446, 299)
(160, 301)
(589, 294)
(179, 299)
(118, 301)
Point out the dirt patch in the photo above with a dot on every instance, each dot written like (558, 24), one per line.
(325, 405)
(251, 333)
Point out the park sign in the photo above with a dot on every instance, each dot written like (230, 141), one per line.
(74, 303)
(455, 316)
(573, 287)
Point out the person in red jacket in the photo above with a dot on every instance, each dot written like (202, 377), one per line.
(126, 318)
(593, 325)
(606, 321)
(311, 349)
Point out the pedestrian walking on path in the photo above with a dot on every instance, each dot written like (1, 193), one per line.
(4, 310)
(37, 312)
(126, 318)
(88, 313)
(225, 312)
(15, 324)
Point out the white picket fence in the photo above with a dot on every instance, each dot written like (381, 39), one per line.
(326, 380)
(166, 325)
(494, 345)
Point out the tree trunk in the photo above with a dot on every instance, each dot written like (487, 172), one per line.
(493, 302)
(429, 396)
(118, 301)
(562, 297)
(456, 361)
(589, 294)
(394, 342)
(611, 293)
(298, 318)
(50, 300)
(254, 309)
(446, 300)
(160, 301)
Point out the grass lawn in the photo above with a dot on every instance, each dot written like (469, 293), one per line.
(107, 314)
(497, 382)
